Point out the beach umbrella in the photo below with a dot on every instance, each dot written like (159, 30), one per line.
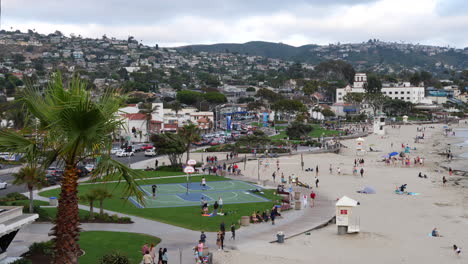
(393, 154)
(369, 190)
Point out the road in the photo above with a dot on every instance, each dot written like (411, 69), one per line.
(6, 174)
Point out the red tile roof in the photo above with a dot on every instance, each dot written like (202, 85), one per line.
(137, 116)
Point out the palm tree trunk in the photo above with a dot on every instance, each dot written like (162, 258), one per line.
(31, 199)
(91, 210)
(188, 152)
(66, 229)
(101, 207)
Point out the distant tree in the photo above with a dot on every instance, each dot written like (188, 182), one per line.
(172, 145)
(33, 177)
(90, 197)
(373, 84)
(268, 95)
(310, 87)
(191, 134)
(215, 97)
(415, 79)
(256, 105)
(354, 98)
(102, 194)
(176, 106)
(250, 89)
(188, 97)
(288, 106)
(243, 100)
(328, 113)
(298, 130)
(253, 141)
(376, 101)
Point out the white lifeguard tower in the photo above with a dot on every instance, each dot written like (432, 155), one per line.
(344, 221)
(360, 149)
(379, 124)
(405, 119)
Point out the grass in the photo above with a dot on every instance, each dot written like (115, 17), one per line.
(317, 132)
(97, 243)
(51, 212)
(187, 217)
(146, 174)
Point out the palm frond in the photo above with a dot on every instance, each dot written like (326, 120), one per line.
(107, 168)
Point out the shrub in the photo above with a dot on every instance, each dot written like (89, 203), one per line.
(44, 248)
(114, 258)
(15, 196)
(170, 168)
(21, 261)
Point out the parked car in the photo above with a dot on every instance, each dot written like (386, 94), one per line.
(82, 171)
(89, 167)
(124, 154)
(3, 185)
(52, 179)
(51, 170)
(146, 147)
(138, 147)
(115, 150)
(150, 153)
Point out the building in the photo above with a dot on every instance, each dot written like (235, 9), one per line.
(403, 91)
(12, 220)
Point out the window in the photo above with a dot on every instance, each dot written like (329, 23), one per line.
(402, 98)
(339, 93)
(339, 98)
(407, 98)
(384, 92)
(408, 92)
(389, 92)
(396, 92)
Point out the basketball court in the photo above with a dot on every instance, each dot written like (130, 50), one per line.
(176, 195)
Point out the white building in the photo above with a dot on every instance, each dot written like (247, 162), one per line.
(403, 91)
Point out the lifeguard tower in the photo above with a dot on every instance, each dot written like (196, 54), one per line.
(360, 149)
(379, 124)
(344, 221)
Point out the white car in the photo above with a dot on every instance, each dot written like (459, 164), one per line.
(124, 154)
(115, 150)
(3, 185)
(89, 167)
(150, 153)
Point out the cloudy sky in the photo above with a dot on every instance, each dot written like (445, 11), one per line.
(294, 22)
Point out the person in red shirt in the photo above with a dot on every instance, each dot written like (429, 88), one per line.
(312, 198)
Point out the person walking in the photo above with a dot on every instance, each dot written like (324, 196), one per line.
(160, 253)
(304, 200)
(338, 170)
(220, 203)
(273, 176)
(164, 256)
(362, 172)
(316, 170)
(152, 251)
(312, 199)
(147, 259)
(330, 169)
(222, 228)
(444, 180)
(202, 237)
(154, 187)
(203, 183)
(316, 181)
(233, 231)
(156, 163)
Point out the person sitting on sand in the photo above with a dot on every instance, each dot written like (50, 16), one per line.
(435, 233)
(403, 187)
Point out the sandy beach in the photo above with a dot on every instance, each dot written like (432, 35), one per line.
(393, 228)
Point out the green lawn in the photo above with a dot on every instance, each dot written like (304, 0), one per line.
(187, 217)
(316, 133)
(97, 243)
(51, 213)
(145, 174)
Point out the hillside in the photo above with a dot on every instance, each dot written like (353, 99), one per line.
(372, 55)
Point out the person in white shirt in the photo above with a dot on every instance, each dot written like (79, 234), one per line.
(220, 203)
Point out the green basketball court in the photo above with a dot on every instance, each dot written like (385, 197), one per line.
(176, 195)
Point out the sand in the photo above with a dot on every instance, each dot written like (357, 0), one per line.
(394, 228)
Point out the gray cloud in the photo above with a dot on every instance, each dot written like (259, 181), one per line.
(124, 12)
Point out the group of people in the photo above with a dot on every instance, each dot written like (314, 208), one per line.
(265, 216)
(218, 205)
(149, 255)
(231, 155)
(199, 249)
(220, 169)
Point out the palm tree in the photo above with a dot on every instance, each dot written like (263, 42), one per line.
(176, 106)
(102, 194)
(191, 134)
(148, 110)
(90, 197)
(75, 126)
(32, 177)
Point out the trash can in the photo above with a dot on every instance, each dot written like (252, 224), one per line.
(297, 195)
(53, 201)
(297, 205)
(245, 220)
(280, 237)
